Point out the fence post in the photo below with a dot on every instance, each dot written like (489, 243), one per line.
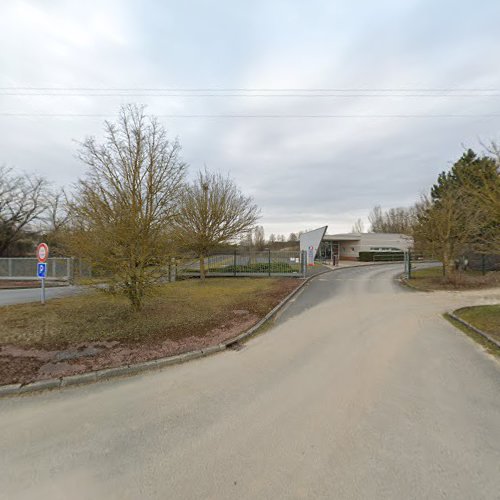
(269, 262)
(234, 263)
(10, 267)
(409, 264)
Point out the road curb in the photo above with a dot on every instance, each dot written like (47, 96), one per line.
(133, 369)
(474, 329)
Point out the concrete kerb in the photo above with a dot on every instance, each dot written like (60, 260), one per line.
(475, 329)
(107, 373)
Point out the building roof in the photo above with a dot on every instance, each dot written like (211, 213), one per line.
(343, 237)
(358, 236)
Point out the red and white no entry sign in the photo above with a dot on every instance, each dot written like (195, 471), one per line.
(42, 252)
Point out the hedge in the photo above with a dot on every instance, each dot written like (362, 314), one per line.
(258, 267)
(381, 256)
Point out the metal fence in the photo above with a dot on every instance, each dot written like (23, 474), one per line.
(240, 263)
(484, 262)
(25, 268)
(235, 263)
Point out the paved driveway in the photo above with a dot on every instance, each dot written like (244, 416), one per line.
(362, 390)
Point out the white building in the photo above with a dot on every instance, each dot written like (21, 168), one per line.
(347, 246)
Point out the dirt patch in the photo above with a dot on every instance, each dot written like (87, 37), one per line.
(21, 363)
(18, 365)
(14, 370)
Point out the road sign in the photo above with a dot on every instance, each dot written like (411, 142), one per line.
(41, 270)
(310, 255)
(42, 252)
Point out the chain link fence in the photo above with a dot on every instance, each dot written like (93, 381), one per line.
(25, 268)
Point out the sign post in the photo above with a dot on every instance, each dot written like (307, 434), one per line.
(42, 254)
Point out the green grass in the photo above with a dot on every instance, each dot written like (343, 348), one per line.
(431, 278)
(486, 318)
(174, 311)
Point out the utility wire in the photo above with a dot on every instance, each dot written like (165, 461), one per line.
(308, 96)
(215, 89)
(270, 116)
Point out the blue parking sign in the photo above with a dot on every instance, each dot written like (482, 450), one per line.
(41, 270)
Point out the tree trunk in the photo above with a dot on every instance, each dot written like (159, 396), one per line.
(445, 263)
(135, 292)
(202, 267)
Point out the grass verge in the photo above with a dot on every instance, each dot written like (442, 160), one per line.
(97, 330)
(183, 308)
(485, 318)
(431, 278)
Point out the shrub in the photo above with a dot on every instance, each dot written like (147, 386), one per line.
(381, 256)
(258, 267)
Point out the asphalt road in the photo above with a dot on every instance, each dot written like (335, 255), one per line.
(361, 391)
(23, 295)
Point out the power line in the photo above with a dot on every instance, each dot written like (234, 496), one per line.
(252, 116)
(235, 89)
(308, 96)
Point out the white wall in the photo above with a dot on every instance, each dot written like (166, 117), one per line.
(371, 242)
(312, 239)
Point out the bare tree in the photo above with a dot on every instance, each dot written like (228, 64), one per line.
(122, 210)
(23, 199)
(259, 238)
(395, 220)
(246, 240)
(54, 222)
(376, 219)
(358, 226)
(213, 211)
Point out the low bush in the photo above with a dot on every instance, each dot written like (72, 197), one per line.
(381, 256)
(258, 267)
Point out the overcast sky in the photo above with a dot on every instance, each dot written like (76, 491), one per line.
(409, 84)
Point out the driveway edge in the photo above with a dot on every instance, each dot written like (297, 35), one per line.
(132, 369)
(475, 329)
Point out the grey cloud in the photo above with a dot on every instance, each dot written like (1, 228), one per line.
(302, 172)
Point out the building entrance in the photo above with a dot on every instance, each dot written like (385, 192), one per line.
(329, 251)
